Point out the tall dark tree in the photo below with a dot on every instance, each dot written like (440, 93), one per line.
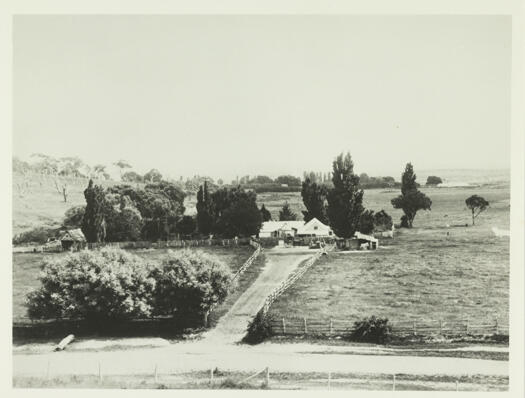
(241, 218)
(476, 204)
(314, 199)
(187, 226)
(204, 210)
(94, 222)
(265, 214)
(366, 222)
(286, 214)
(411, 199)
(408, 179)
(345, 199)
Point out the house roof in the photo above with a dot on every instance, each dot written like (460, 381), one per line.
(313, 226)
(75, 235)
(272, 226)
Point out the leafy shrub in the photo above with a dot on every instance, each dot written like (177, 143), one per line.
(108, 284)
(258, 329)
(36, 235)
(73, 216)
(382, 221)
(190, 282)
(366, 222)
(372, 330)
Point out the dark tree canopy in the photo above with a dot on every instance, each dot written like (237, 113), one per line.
(265, 214)
(314, 199)
(160, 207)
(476, 204)
(434, 180)
(408, 179)
(345, 199)
(204, 210)
(411, 199)
(187, 226)
(131, 176)
(286, 214)
(241, 218)
(260, 180)
(289, 180)
(93, 222)
(228, 212)
(73, 216)
(383, 221)
(366, 222)
(153, 176)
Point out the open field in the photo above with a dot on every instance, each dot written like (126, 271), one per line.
(422, 275)
(26, 268)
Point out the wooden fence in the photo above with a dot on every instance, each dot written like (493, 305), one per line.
(295, 326)
(250, 260)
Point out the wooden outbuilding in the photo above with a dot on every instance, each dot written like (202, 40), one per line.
(73, 239)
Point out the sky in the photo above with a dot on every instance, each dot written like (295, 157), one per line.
(228, 96)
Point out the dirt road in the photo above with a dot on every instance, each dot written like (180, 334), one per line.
(279, 264)
(204, 355)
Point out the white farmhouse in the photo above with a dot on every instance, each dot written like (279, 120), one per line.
(283, 229)
(279, 229)
(314, 228)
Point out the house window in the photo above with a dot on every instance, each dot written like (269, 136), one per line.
(315, 227)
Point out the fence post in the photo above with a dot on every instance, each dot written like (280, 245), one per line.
(440, 327)
(267, 376)
(414, 328)
(394, 382)
(457, 388)
(284, 326)
(466, 327)
(156, 378)
(305, 328)
(331, 326)
(211, 376)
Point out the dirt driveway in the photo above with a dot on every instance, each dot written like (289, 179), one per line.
(280, 262)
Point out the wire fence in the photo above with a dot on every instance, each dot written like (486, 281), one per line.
(297, 326)
(154, 376)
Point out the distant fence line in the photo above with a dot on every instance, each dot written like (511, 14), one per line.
(296, 326)
(178, 243)
(173, 243)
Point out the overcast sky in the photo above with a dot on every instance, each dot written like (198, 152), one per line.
(235, 95)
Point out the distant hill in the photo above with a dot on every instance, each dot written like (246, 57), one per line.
(36, 201)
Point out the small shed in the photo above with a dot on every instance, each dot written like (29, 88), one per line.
(73, 239)
(370, 241)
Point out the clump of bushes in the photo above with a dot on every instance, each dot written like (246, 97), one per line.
(372, 330)
(190, 282)
(112, 284)
(259, 329)
(38, 235)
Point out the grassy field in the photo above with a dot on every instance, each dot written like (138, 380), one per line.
(26, 268)
(439, 270)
